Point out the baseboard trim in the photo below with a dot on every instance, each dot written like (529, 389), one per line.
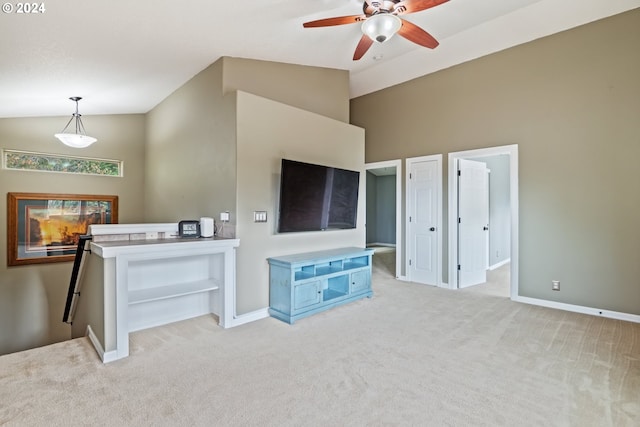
(389, 245)
(96, 343)
(500, 264)
(110, 356)
(252, 316)
(264, 313)
(106, 357)
(580, 309)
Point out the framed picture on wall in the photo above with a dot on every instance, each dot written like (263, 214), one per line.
(44, 228)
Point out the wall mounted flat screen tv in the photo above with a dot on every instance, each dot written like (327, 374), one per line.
(315, 197)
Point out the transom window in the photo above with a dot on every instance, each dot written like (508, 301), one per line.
(25, 160)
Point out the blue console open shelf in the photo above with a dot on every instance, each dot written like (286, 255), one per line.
(303, 284)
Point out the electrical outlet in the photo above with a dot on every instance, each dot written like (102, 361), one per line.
(224, 216)
(555, 285)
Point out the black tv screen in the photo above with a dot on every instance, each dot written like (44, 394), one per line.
(315, 197)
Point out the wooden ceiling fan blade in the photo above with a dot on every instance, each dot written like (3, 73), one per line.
(412, 32)
(363, 46)
(411, 6)
(338, 20)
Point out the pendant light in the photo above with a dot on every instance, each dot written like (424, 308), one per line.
(79, 139)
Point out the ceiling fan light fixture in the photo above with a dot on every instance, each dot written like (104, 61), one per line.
(381, 27)
(79, 139)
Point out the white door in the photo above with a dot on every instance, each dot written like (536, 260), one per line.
(473, 222)
(422, 222)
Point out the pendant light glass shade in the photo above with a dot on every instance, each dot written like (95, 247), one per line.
(75, 140)
(381, 27)
(79, 139)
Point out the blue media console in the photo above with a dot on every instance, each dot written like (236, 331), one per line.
(303, 284)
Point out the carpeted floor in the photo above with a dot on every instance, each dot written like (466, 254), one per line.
(412, 355)
(498, 283)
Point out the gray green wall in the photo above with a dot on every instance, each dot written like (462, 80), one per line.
(571, 102)
(324, 91)
(32, 297)
(191, 156)
(191, 135)
(267, 132)
(372, 197)
(381, 209)
(209, 152)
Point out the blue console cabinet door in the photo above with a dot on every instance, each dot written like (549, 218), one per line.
(307, 294)
(360, 281)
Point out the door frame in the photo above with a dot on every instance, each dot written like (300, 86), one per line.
(398, 165)
(512, 152)
(409, 162)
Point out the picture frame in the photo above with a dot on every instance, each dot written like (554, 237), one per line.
(45, 228)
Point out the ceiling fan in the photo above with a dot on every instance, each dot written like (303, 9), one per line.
(381, 21)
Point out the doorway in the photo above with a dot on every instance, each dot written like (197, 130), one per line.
(494, 258)
(384, 209)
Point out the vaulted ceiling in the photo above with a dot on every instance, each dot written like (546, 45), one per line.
(126, 56)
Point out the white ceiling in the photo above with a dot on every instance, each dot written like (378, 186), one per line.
(126, 56)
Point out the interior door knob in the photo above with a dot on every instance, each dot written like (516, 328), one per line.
(432, 229)
(485, 228)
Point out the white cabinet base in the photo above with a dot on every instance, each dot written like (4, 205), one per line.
(155, 282)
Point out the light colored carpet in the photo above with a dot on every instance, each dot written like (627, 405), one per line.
(412, 355)
(498, 283)
(384, 263)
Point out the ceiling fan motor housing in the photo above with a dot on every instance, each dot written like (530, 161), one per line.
(373, 7)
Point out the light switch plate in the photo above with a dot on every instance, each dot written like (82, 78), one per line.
(259, 216)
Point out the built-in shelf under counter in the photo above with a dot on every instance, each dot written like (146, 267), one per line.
(153, 282)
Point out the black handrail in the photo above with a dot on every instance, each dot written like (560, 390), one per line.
(75, 273)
